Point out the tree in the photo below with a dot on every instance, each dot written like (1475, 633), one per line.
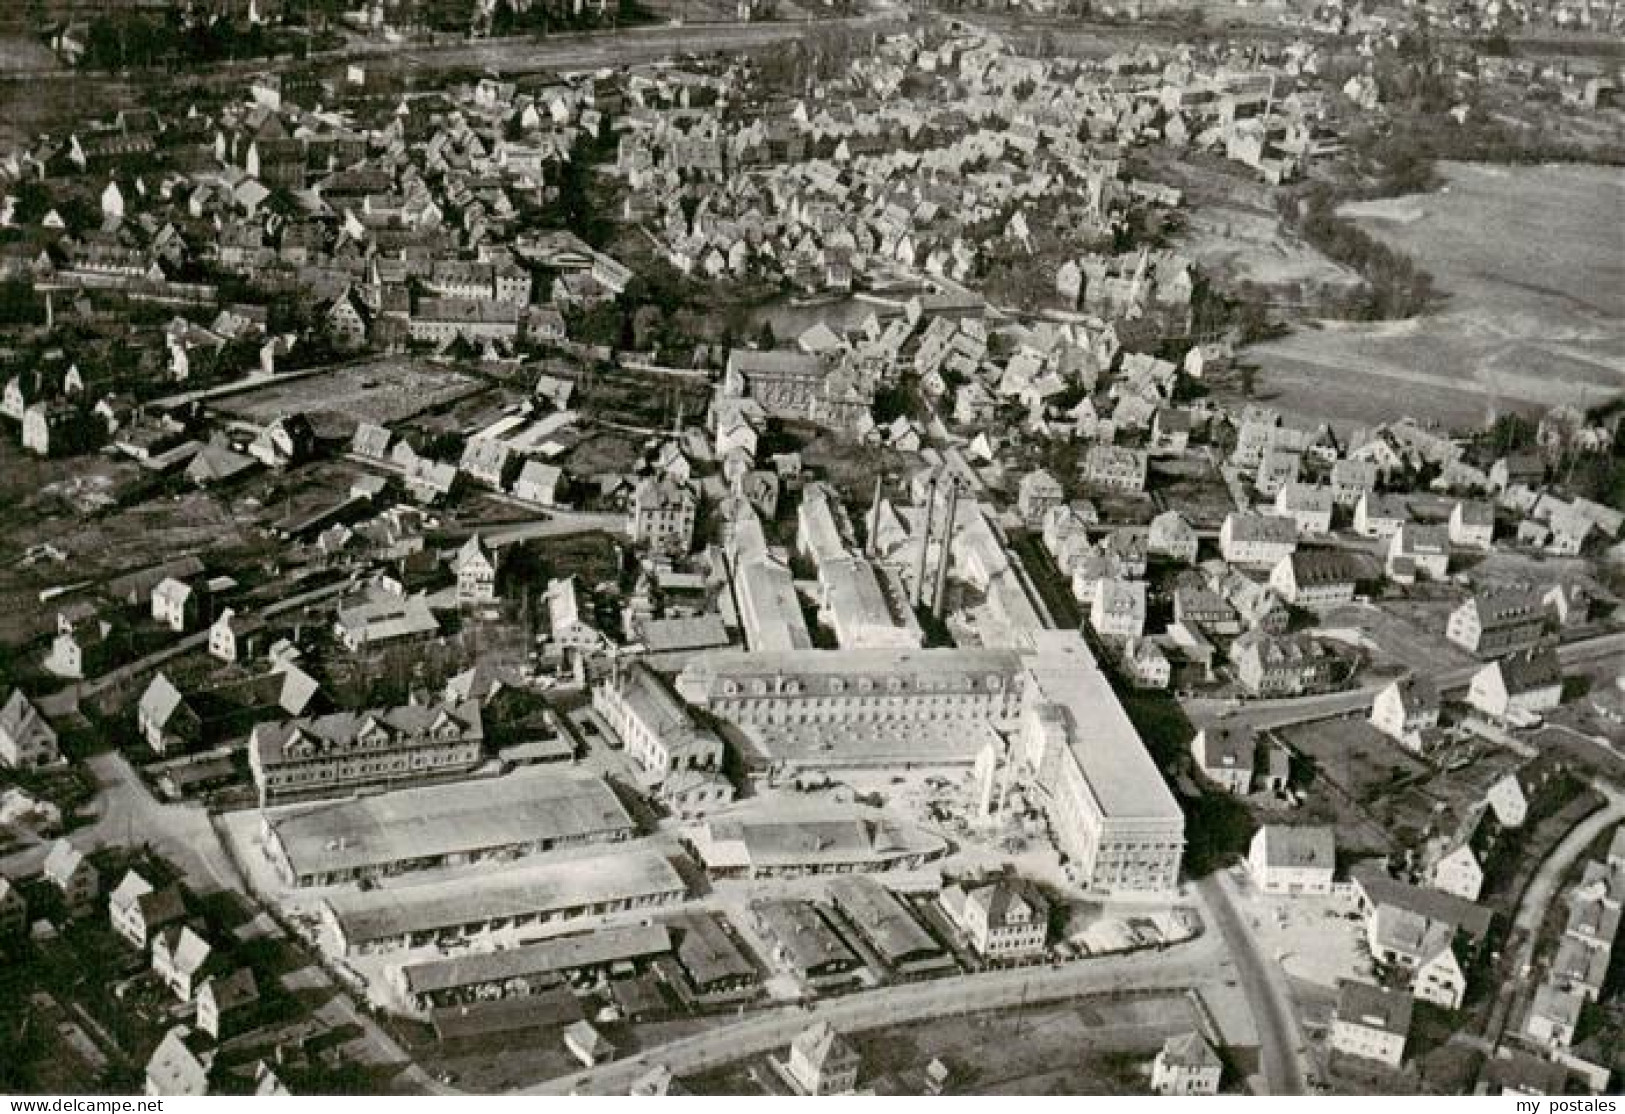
(765, 340)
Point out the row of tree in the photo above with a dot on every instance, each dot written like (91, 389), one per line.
(1395, 286)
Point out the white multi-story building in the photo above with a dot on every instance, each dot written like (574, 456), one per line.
(1257, 540)
(1186, 1065)
(656, 727)
(1001, 918)
(1371, 1022)
(476, 572)
(662, 515)
(1289, 861)
(1113, 816)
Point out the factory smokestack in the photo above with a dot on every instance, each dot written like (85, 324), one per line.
(947, 550)
(925, 543)
(874, 522)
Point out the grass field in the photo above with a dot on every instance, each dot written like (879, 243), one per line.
(24, 52)
(1358, 758)
(1531, 261)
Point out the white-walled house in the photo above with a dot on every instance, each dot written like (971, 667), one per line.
(1406, 708)
(1518, 687)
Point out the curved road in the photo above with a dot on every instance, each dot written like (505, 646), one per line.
(1179, 967)
(1266, 990)
(1541, 892)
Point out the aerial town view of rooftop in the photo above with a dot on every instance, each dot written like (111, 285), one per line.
(812, 547)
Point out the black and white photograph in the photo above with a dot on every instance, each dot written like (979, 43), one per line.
(808, 548)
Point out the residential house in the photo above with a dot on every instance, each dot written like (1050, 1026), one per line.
(138, 910)
(1317, 578)
(1526, 469)
(1282, 665)
(487, 460)
(1186, 1065)
(1379, 516)
(1518, 687)
(823, 1062)
(1038, 492)
(224, 633)
(1001, 918)
(174, 604)
(1290, 861)
(539, 483)
(1371, 1022)
(1472, 525)
(1554, 1015)
(76, 880)
(476, 570)
(1115, 468)
(164, 718)
(1276, 471)
(1171, 429)
(1118, 610)
(1352, 480)
(1405, 709)
(1146, 664)
(183, 1064)
(1172, 537)
(1458, 872)
(1231, 755)
(1306, 504)
(182, 959)
(1498, 620)
(1509, 801)
(1441, 978)
(1418, 551)
(225, 1003)
(1258, 541)
(80, 646)
(566, 626)
(27, 741)
(1205, 609)
(662, 515)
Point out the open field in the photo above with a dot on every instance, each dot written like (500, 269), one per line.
(1247, 244)
(24, 52)
(1534, 314)
(1357, 757)
(381, 391)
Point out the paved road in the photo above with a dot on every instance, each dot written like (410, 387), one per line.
(1541, 892)
(1175, 968)
(1265, 986)
(131, 816)
(1302, 709)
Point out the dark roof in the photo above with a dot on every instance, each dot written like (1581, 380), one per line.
(1325, 566)
(555, 1006)
(1373, 1006)
(1530, 670)
(1435, 905)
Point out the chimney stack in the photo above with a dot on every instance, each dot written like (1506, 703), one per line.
(925, 542)
(874, 521)
(947, 550)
